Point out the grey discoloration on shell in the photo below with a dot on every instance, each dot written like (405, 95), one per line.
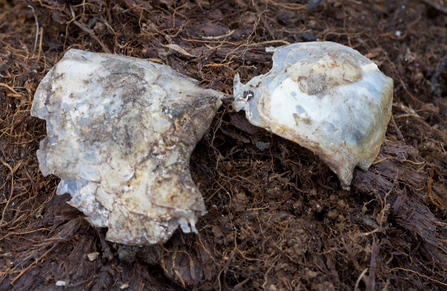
(326, 97)
(120, 134)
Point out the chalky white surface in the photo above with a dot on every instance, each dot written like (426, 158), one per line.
(120, 134)
(326, 97)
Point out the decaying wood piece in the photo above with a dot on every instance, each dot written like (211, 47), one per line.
(120, 134)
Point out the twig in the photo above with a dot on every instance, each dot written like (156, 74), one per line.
(8, 87)
(397, 73)
(439, 6)
(420, 275)
(399, 134)
(92, 34)
(40, 44)
(370, 286)
(220, 36)
(34, 263)
(290, 6)
(37, 28)
(356, 288)
(12, 191)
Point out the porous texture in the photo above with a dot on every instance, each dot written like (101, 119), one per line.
(120, 134)
(325, 96)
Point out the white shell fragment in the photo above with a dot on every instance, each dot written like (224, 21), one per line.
(326, 97)
(120, 134)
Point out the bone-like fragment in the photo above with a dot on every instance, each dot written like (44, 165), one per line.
(120, 134)
(326, 97)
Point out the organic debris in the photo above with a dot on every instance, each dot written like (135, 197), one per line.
(277, 217)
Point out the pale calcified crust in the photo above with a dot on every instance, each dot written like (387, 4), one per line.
(326, 97)
(120, 134)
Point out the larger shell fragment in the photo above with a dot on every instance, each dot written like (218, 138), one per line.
(120, 134)
(326, 97)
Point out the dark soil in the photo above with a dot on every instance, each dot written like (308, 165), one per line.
(277, 216)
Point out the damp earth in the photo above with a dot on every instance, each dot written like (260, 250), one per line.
(277, 216)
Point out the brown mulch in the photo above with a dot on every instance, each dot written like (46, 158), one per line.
(277, 217)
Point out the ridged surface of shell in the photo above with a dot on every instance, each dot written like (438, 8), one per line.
(120, 134)
(326, 97)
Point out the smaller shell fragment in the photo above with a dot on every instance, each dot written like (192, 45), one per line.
(61, 283)
(326, 97)
(120, 134)
(93, 256)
